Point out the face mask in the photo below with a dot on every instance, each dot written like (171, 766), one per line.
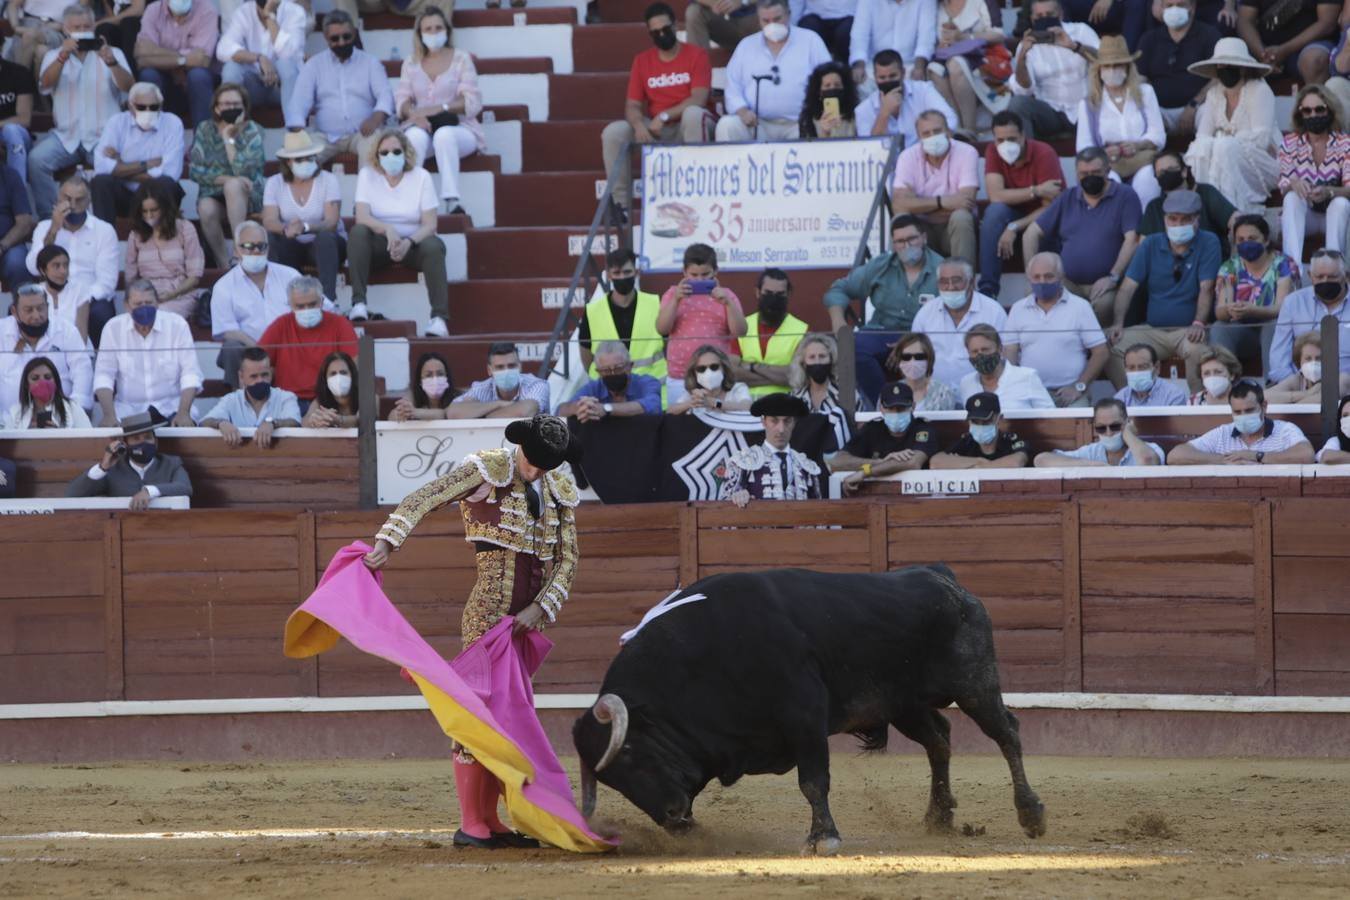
(308, 318)
(775, 32)
(1317, 124)
(1114, 77)
(144, 316)
(434, 40)
(1045, 23)
(146, 119)
(1045, 290)
(340, 384)
(1345, 426)
(819, 372)
(259, 390)
(987, 363)
(616, 384)
(709, 380)
(773, 308)
(914, 370)
(831, 95)
(1009, 151)
(304, 168)
(897, 422)
(180, 7)
(435, 386)
(34, 331)
(1251, 251)
(1327, 290)
(885, 87)
(665, 38)
(1176, 16)
(1113, 442)
(1247, 423)
(911, 256)
(623, 286)
(1229, 76)
(344, 52)
(143, 454)
(953, 299)
(1092, 185)
(43, 391)
(1181, 234)
(253, 263)
(1170, 179)
(231, 115)
(76, 218)
(151, 221)
(392, 163)
(1312, 371)
(506, 379)
(1215, 385)
(1140, 382)
(983, 434)
(936, 144)
(82, 35)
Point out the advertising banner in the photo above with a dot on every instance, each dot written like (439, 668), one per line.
(411, 454)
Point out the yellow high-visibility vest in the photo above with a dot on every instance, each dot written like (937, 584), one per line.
(782, 346)
(646, 346)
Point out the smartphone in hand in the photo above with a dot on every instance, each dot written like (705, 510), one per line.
(702, 285)
(830, 106)
(93, 43)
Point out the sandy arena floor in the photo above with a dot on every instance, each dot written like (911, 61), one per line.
(1117, 828)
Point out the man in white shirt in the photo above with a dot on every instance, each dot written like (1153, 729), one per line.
(1050, 71)
(1056, 333)
(936, 179)
(247, 298)
(1251, 439)
(908, 27)
(262, 49)
(947, 318)
(1017, 387)
(897, 101)
(29, 333)
(138, 145)
(783, 57)
(82, 103)
(147, 359)
(95, 259)
(1117, 443)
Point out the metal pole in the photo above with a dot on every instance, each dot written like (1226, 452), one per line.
(846, 372)
(1331, 382)
(368, 413)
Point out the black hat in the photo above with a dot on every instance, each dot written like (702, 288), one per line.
(896, 395)
(779, 404)
(143, 422)
(983, 405)
(546, 441)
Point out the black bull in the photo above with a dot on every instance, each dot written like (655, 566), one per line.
(755, 678)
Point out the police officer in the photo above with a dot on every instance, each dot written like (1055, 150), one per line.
(897, 442)
(771, 470)
(984, 445)
(627, 315)
(771, 337)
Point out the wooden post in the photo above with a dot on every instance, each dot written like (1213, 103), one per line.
(845, 370)
(113, 650)
(369, 470)
(1331, 350)
(307, 578)
(877, 538)
(688, 544)
(1263, 584)
(1073, 600)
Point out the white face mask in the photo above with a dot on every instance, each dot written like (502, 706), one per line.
(936, 144)
(147, 119)
(1176, 16)
(1345, 425)
(1009, 151)
(304, 168)
(340, 384)
(253, 263)
(710, 380)
(1312, 371)
(434, 40)
(1114, 77)
(1215, 385)
(775, 32)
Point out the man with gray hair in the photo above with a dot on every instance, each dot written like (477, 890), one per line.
(84, 96)
(141, 144)
(299, 342)
(1302, 311)
(1056, 333)
(617, 392)
(768, 110)
(146, 359)
(247, 298)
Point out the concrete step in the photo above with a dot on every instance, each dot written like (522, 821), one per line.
(592, 95)
(551, 40)
(505, 66)
(270, 117)
(569, 198)
(478, 18)
(630, 11)
(537, 252)
(562, 146)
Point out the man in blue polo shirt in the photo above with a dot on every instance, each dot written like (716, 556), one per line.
(1094, 227)
(617, 392)
(1178, 269)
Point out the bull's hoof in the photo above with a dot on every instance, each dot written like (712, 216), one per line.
(822, 846)
(939, 821)
(1032, 820)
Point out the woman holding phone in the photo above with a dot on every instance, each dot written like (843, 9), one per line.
(42, 400)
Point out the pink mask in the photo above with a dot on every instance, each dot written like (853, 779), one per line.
(42, 391)
(914, 369)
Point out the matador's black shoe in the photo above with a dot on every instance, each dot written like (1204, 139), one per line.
(464, 839)
(515, 839)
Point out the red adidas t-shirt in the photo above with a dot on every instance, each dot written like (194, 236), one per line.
(660, 85)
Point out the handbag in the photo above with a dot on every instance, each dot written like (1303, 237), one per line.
(442, 119)
(1125, 166)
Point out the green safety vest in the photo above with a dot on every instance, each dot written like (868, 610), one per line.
(646, 346)
(782, 346)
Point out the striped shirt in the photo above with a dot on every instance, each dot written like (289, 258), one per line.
(1296, 160)
(1275, 436)
(84, 99)
(531, 388)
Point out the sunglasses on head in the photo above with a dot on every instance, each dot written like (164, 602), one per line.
(1109, 428)
(711, 367)
(910, 357)
(146, 107)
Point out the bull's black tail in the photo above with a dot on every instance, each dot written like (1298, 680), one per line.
(873, 739)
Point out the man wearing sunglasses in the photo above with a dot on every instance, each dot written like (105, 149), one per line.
(140, 144)
(1117, 443)
(346, 89)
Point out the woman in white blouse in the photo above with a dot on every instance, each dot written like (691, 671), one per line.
(42, 400)
(64, 300)
(959, 84)
(1120, 114)
(302, 212)
(1236, 138)
(396, 225)
(438, 102)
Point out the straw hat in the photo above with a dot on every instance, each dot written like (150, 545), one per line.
(298, 144)
(1114, 52)
(1229, 51)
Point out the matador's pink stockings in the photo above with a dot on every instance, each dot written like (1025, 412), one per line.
(479, 791)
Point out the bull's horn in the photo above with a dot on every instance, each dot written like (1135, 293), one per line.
(587, 790)
(610, 709)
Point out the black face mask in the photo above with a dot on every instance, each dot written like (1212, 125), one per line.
(259, 390)
(1170, 179)
(885, 87)
(665, 38)
(623, 286)
(343, 51)
(230, 116)
(819, 372)
(1317, 124)
(1228, 76)
(616, 384)
(143, 454)
(987, 363)
(1327, 290)
(34, 331)
(773, 307)
(832, 95)
(1093, 185)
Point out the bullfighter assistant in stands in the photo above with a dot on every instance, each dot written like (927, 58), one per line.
(520, 515)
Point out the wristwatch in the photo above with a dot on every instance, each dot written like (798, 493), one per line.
(445, 107)
(1012, 226)
(182, 60)
(1260, 456)
(1114, 278)
(608, 408)
(1080, 387)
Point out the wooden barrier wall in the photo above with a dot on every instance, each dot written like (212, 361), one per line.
(1086, 594)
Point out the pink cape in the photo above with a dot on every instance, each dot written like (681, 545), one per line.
(483, 699)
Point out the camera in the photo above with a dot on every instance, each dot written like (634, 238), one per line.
(92, 43)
